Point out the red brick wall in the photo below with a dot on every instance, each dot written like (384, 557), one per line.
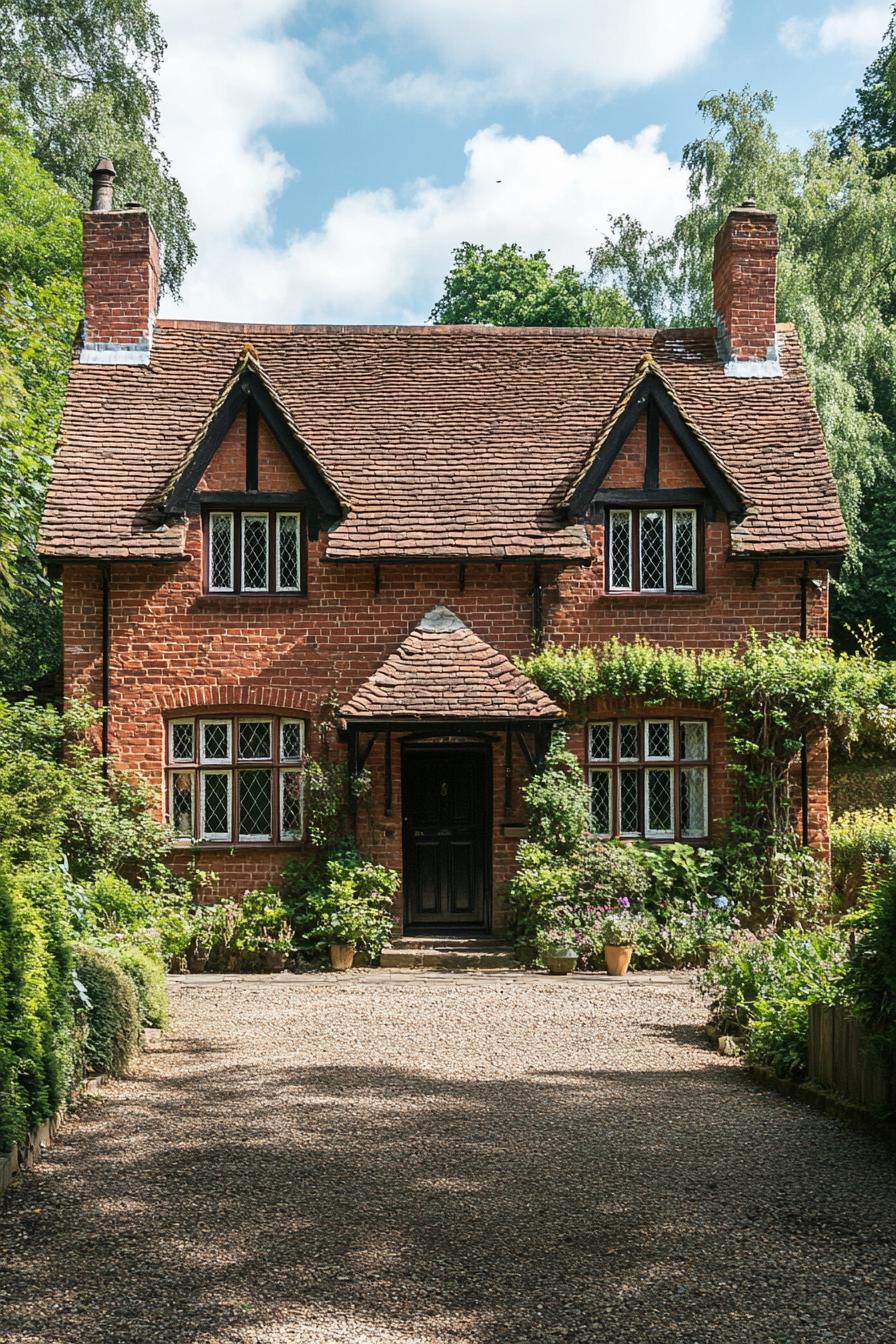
(627, 471)
(174, 648)
(121, 276)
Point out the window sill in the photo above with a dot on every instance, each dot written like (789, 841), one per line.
(225, 846)
(656, 597)
(246, 600)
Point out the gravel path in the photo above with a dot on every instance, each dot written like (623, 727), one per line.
(406, 1159)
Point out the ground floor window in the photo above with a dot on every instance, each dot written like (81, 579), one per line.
(649, 778)
(235, 778)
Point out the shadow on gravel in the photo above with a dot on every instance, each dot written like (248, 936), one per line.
(570, 1204)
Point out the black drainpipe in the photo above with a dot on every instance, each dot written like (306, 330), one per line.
(537, 607)
(804, 746)
(105, 579)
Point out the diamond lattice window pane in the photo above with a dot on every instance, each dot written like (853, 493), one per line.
(692, 741)
(292, 740)
(255, 804)
(684, 534)
(255, 551)
(629, 803)
(629, 741)
(659, 802)
(216, 740)
(659, 740)
(693, 802)
(182, 745)
(220, 569)
(216, 805)
(620, 549)
(291, 804)
(599, 739)
(653, 551)
(182, 803)
(255, 740)
(288, 553)
(600, 801)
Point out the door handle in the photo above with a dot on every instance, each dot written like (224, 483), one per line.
(443, 832)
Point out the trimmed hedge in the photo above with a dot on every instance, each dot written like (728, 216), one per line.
(146, 971)
(112, 1015)
(38, 1055)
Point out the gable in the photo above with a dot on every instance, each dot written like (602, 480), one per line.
(230, 469)
(630, 468)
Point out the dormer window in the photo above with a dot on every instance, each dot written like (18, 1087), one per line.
(253, 551)
(653, 550)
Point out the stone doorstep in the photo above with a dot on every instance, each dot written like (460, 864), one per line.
(448, 954)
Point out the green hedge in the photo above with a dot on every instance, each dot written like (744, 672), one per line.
(145, 969)
(112, 1012)
(860, 841)
(38, 1056)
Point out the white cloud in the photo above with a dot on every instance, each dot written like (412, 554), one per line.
(544, 50)
(381, 256)
(859, 29)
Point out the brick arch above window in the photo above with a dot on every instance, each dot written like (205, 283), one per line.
(223, 696)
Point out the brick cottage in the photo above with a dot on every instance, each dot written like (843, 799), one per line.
(255, 524)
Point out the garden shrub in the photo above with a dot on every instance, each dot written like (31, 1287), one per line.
(871, 975)
(111, 1012)
(345, 899)
(761, 987)
(108, 905)
(859, 840)
(145, 969)
(262, 924)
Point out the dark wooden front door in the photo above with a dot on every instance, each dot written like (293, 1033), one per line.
(446, 793)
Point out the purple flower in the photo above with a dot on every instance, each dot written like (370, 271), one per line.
(624, 902)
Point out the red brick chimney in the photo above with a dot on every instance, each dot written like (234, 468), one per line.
(121, 277)
(744, 274)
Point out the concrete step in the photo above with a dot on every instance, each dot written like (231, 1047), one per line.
(448, 954)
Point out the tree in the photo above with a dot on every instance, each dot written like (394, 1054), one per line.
(871, 121)
(836, 282)
(505, 287)
(79, 75)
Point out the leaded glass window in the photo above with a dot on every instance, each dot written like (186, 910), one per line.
(224, 781)
(684, 548)
(649, 778)
(653, 551)
(255, 552)
(620, 548)
(220, 560)
(289, 556)
(251, 551)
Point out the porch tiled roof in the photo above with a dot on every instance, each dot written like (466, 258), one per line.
(442, 671)
(451, 442)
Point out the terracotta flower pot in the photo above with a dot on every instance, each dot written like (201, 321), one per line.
(617, 959)
(561, 961)
(197, 962)
(341, 956)
(274, 961)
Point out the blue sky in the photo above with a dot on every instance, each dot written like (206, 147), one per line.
(334, 151)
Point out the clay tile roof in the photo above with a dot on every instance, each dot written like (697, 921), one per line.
(443, 671)
(454, 442)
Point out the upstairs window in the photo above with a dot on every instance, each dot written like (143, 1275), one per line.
(649, 778)
(653, 550)
(253, 551)
(235, 778)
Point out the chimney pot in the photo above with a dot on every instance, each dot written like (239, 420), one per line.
(103, 176)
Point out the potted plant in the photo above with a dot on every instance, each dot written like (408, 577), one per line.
(263, 932)
(557, 951)
(205, 930)
(350, 907)
(619, 932)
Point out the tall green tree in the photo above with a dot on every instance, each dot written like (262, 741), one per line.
(509, 288)
(871, 120)
(836, 282)
(80, 76)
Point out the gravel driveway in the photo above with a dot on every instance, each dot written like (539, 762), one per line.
(400, 1159)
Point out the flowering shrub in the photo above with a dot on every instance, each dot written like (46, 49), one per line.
(860, 839)
(348, 899)
(620, 926)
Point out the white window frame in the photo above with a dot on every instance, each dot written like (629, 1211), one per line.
(645, 514)
(280, 587)
(695, 760)
(638, 774)
(300, 723)
(663, 760)
(181, 760)
(639, 728)
(613, 586)
(255, 760)
(652, 834)
(214, 587)
(601, 723)
(216, 835)
(191, 774)
(287, 833)
(245, 837)
(215, 760)
(703, 767)
(254, 516)
(692, 514)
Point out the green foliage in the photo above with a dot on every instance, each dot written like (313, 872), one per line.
(860, 840)
(112, 1016)
(506, 288)
(557, 801)
(761, 988)
(327, 786)
(347, 899)
(871, 122)
(37, 1054)
(621, 927)
(262, 923)
(79, 74)
(871, 977)
(836, 276)
(145, 968)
